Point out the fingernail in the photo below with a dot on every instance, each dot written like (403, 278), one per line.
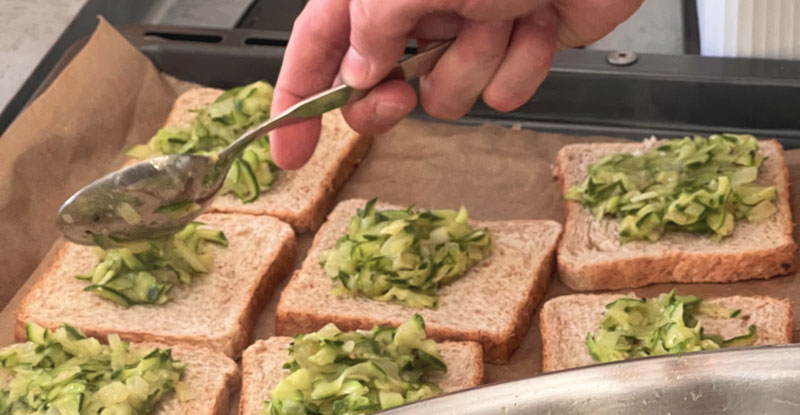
(545, 16)
(355, 69)
(387, 112)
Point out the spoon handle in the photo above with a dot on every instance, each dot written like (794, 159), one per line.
(338, 96)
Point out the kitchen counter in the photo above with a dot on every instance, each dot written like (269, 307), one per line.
(29, 28)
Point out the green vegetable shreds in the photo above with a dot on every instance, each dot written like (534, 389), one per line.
(142, 272)
(214, 128)
(638, 327)
(699, 185)
(62, 372)
(405, 255)
(357, 372)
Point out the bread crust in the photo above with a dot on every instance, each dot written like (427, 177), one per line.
(249, 369)
(547, 348)
(196, 98)
(477, 351)
(21, 319)
(677, 266)
(273, 275)
(222, 396)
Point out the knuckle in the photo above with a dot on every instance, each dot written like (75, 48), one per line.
(361, 18)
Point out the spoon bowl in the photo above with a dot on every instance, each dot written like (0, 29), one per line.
(150, 199)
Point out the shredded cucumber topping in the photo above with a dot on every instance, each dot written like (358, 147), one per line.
(357, 372)
(405, 255)
(214, 128)
(142, 272)
(179, 209)
(695, 184)
(638, 327)
(64, 373)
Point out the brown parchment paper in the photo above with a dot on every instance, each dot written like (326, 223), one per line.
(72, 134)
(110, 96)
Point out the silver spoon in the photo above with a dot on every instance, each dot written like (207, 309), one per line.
(160, 196)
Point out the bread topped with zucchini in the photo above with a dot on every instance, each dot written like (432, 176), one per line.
(64, 372)
(376, 263)
(687, 210)
(204, 120)
(204, 286)
(584, 329)
(331, 371)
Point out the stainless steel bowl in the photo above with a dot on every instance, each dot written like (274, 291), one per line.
(760, 380)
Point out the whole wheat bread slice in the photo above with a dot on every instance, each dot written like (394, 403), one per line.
(565, 321)
(591, 257)
(213, 378)
(218, 310)
(262, 370)
(302, 197)
(491, 304)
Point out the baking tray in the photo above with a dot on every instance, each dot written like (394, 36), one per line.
(665, 95)
(271, 15)
(584, 95)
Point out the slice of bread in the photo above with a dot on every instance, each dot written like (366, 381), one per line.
(491, 304)
(302, 197)
(262, 369)
(590, 256)
(565, 321)
(212, 377)
(218, 310)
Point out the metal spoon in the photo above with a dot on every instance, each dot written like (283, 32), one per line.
(162, 195)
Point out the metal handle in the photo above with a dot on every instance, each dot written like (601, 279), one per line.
(338, 96)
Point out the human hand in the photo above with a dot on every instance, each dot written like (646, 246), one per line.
(502, 52)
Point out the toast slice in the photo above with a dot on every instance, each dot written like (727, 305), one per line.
(213, 378)
(565, 321)
(302, 197)
(491, 304)
(218, 310)
(262, 369)
(590, 256)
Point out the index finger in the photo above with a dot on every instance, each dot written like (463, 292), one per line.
(379, 30)
(310, 64)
